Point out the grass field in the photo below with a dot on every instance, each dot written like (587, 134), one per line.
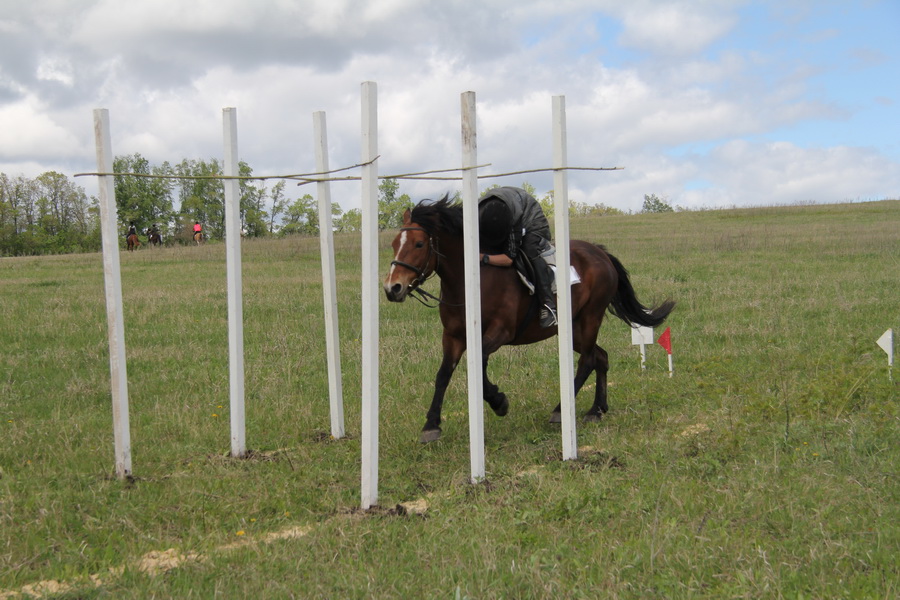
(766, 468)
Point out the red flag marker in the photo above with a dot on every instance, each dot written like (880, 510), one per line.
(665, 340)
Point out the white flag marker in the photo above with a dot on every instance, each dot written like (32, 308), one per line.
(641, 336)
(886, 342)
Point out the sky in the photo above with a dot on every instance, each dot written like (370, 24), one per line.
(704, 103)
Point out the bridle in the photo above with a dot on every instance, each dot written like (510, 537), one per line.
(422, 274)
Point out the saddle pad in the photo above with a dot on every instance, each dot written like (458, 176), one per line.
(573, 274)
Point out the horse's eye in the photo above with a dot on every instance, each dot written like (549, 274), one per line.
(419, 244)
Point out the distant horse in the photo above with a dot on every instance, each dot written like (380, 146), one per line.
(153, 238)
(133, 242)
(198, 237)
(431, 241)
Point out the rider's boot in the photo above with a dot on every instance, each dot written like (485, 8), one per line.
(544, 276)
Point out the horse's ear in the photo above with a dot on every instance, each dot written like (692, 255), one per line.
(406, 217)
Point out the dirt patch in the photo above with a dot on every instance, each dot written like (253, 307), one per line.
(596, 460)
(158, 562)
(695, 430)
(325, 437)
(413, 507)
(288, 534)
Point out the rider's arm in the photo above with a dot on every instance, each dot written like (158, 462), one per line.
(496, 260)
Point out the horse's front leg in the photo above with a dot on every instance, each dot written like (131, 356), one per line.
(453, 350)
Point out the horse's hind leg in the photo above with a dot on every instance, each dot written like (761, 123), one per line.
(585, 366)
(601, 366)
(496, 399)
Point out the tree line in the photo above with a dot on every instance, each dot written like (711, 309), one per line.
(52, 215)
(46, 215)
(147, 195)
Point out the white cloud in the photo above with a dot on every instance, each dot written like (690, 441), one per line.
(681, 119)
(56, 69)
(28, 131)
(680, 28)
(787, 173)
(740, 173)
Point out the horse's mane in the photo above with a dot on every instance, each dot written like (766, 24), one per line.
(439, 216)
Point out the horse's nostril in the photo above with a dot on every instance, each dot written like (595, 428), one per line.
(391, 291)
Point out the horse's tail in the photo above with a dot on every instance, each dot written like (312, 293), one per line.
(626, 306)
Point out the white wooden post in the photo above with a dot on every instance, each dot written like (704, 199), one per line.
(329, 280)
(113, 284)
(563, 280)
(472, 279)
(370, 295)
(235, 297)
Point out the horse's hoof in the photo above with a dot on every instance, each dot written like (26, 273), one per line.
(430, 435)
(556, 417)
(502, 406)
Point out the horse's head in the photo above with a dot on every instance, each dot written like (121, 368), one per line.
(415, 259)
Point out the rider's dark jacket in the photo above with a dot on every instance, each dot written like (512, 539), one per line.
(530, 230)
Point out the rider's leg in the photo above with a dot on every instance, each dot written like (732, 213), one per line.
(534, 247)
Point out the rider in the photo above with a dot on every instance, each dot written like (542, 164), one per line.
(198, 228)
(510, 220)
(132, 230)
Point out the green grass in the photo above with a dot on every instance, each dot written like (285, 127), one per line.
(767, 467)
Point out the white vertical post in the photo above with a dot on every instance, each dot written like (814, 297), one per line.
(472, 268)
(563, 280)
(235, 295)
(370, 295)
(113, 284)
(329, 280)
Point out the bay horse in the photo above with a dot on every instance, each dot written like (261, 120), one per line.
(153, 238)
(133, 242)
(431, 242)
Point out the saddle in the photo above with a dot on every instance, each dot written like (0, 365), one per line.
(525, 269)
